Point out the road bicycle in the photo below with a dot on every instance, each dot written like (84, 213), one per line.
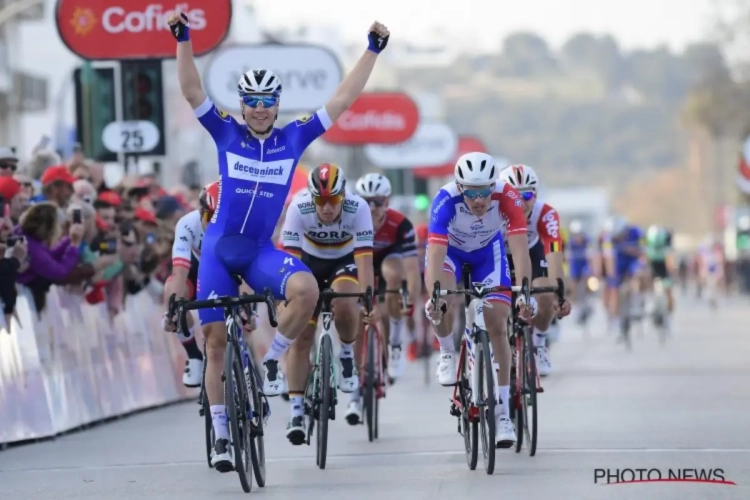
(321, 391)
(403, 292)
(247, 406)
(524, 376)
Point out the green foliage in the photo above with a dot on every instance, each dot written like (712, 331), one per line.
(587, 107)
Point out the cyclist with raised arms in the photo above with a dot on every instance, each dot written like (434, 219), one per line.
(186, 251)
(329, 228)
(395, 259)
(546, 251)
(256, 166)
(467, 218)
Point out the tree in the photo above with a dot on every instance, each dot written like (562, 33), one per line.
(527, 54)
(600, 54)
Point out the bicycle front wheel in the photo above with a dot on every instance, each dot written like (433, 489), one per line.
(469, 426)
(324, 399)
(236, 401)
(487, 401)
(370, 381)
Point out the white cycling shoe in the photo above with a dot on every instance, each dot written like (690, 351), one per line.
(543, 364)
(505, 431)
(274, 382)
(397, 363)
(193, 373)
(446, 369)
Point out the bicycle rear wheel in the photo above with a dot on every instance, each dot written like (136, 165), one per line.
(487, 400)
(370, 381)
(257, 424)
(236, 400)
(530, 408)
(323, 399)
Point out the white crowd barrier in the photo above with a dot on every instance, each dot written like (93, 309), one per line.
(73, 365)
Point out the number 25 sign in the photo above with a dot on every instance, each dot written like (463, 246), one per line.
(134, 137)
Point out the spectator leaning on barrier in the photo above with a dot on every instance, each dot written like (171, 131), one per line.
(8, 162)
(50, 264)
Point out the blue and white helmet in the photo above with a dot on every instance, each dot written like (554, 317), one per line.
(259, 81)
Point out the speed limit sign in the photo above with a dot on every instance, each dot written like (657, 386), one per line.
(134, 137)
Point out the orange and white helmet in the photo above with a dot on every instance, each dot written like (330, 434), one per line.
(521, 177)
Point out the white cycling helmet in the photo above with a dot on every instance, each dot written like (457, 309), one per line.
(615, 224)
(576, 227)
(475, 169)
(521, 177)
(259, 81)
(373, 186)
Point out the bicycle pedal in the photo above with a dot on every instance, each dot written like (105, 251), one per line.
(455, 412)
(201, 412)
(539, 389)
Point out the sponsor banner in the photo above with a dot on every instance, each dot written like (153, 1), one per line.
(309, 74)
(375, 118)
(52, 381)
(137, 29)
(433, 143)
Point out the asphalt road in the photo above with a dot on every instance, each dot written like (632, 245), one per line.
(685, 405)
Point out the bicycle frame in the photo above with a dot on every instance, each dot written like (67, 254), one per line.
(474, 324)
(326, 318)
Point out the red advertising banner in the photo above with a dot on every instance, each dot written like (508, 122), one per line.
(375, 118)
(137, 29)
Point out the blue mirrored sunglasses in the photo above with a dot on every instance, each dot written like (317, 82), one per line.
(473, 194)
(527, 195)
(254, 100)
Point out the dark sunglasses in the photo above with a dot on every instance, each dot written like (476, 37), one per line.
(11, 166)
(378, 202)
(253, 101)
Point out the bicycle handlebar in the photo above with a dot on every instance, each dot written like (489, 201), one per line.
(180, 306)
(327, 295)
(479, 291)
(404, 292)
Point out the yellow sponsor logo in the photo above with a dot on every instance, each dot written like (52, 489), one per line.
(83, 21)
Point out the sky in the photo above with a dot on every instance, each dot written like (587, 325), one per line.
(483, 23)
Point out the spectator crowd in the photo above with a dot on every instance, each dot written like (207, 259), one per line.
(62, 225)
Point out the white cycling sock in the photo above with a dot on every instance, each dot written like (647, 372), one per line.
(298, 405)
(397, 326)
(354, 395)
(347, 350)
(220, 422)
(447, 345)
(278, 347)
(502, 398)
(539, 337)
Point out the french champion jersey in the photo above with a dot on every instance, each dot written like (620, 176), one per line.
(188, 236)
(255, 174)
(453, 224)
(304, 233)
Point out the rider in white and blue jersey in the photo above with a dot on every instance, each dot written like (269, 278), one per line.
(466, 227)
(256, 165)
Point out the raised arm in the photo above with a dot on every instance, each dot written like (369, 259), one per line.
(354, 83)
(187, 72)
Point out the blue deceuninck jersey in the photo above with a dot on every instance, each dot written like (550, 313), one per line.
(254, 182)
